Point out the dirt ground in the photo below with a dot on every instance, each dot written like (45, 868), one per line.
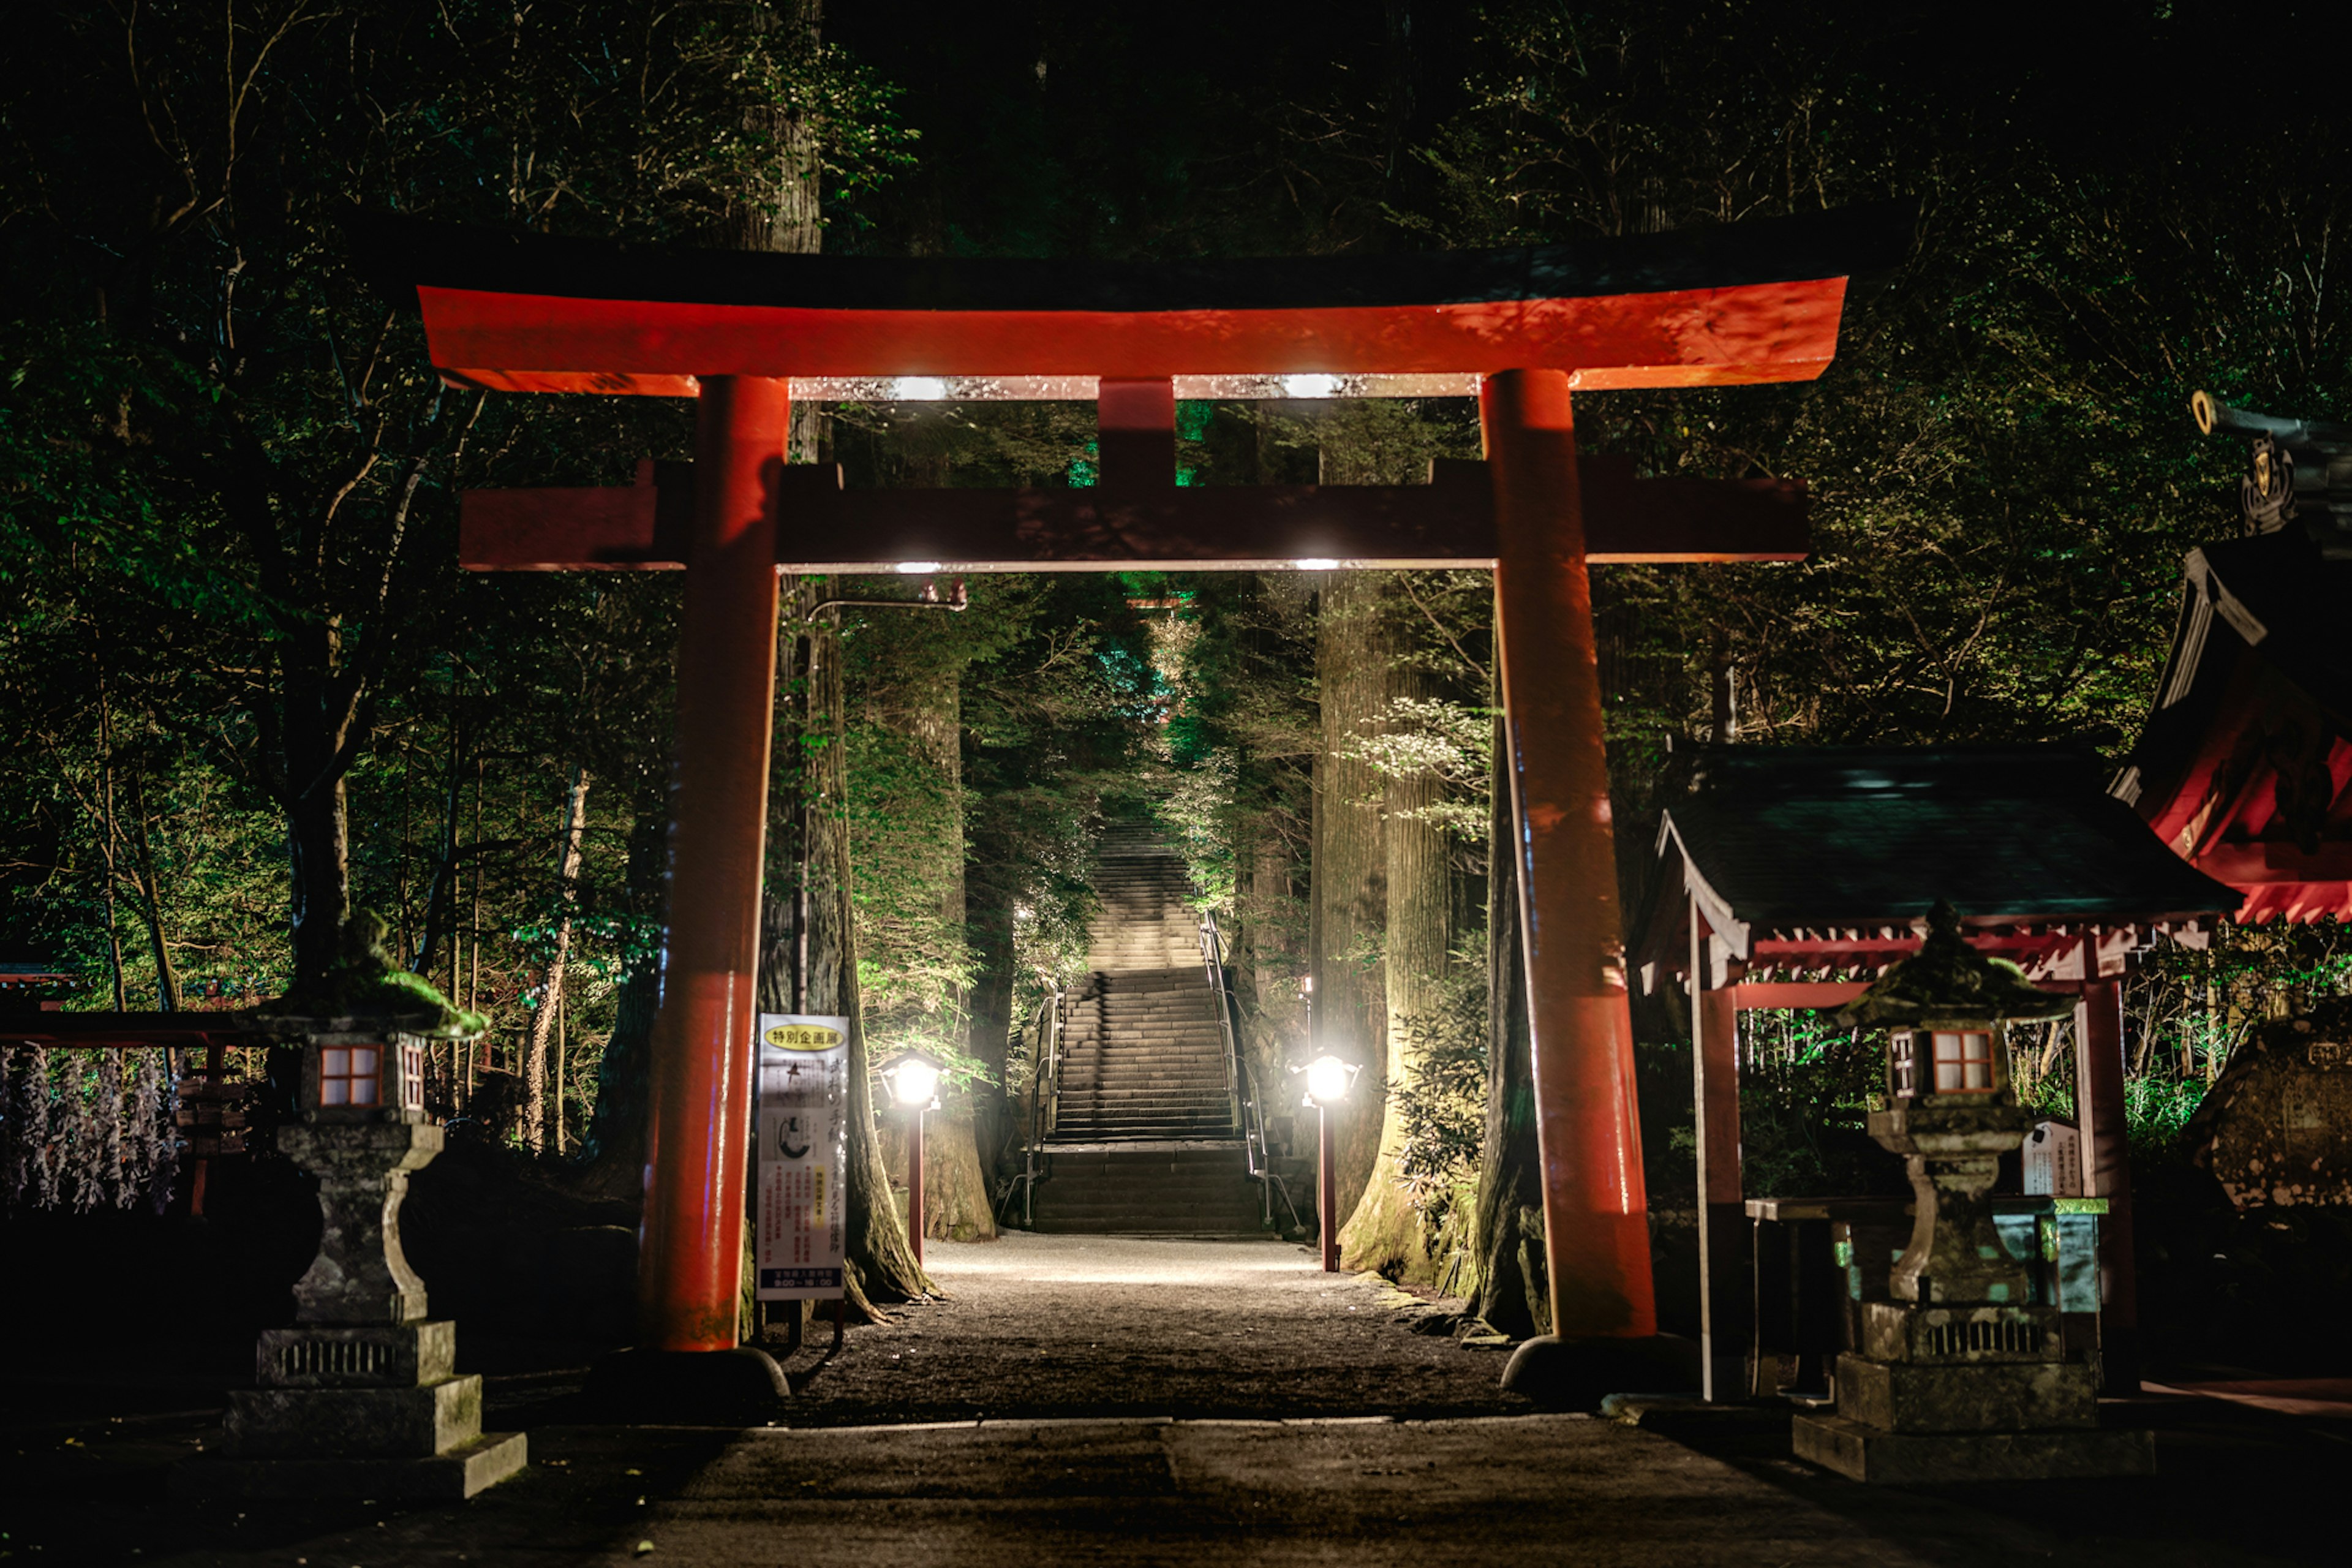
(1088, 1325)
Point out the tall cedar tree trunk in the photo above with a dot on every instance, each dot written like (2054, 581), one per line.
(1386, 1236)
(1351, 869)
(988, 926)
(551, 989)
(1514, 1290)
(955, 1185)
(882, 1266)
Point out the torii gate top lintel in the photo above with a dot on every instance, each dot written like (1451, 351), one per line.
(1730, 305)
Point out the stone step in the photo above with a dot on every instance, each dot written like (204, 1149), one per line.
(1140, 1092)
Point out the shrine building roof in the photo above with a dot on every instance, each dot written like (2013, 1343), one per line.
(1723, 305)
(2244, 765)
(1826, 859)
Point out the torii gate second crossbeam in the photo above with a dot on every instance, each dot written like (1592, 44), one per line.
(1728, 306)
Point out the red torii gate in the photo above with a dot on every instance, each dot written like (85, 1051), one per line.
(1525, 327)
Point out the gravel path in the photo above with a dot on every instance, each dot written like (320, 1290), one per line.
(1088, 1325)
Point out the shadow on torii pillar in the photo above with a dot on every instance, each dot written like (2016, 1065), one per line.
(1522, 328)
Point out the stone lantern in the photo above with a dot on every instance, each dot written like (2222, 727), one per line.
(361, 1397)
(1963, 1375)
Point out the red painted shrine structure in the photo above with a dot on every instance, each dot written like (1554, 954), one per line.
(2244, 766)
(1525, 329)
(1793, 876)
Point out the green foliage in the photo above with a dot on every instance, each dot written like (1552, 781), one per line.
(1806, 1090)
(1450, 744)
(1441, 1103)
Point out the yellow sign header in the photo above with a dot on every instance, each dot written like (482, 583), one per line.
(802, 1037)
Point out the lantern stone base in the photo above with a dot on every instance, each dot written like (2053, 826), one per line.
(365, 1410)
(1994, 1396)
(354, 1423)
(452, 1477)
(1900, 1459)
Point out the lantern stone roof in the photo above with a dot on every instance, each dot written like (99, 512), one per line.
(2244, 766)
(1828, 860)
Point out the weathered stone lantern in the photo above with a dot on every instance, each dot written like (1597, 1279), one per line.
(1963, 1375)
(361, 1397)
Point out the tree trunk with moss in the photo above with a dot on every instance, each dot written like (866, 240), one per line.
(881, 1263)
(1385, 1234)
(1351, 869)
(924, 710)
(1514, 1288)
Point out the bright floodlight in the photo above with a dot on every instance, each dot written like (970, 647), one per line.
(1315, 563)
(1310, 385)
(918, 389)
(1328, 1079)
(915, 568)
(914, 1081)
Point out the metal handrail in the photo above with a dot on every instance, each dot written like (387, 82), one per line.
(1241, 1082)
(1044, 1087)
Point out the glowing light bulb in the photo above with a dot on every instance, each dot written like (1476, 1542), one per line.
(1315, 563)
(1310, 386)
(914, 1081)
(1328, 1079)
(918, 389)
(915, 568)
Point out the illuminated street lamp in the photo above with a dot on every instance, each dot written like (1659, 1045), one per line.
(914, 1081)
(1328, 1081)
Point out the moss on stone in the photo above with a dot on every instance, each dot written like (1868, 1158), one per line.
(366, 982)
(1949, 985)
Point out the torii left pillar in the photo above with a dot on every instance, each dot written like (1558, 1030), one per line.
(690, 1255)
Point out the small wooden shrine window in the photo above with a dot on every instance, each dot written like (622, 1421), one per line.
(351, 1075)
(1963, 1062)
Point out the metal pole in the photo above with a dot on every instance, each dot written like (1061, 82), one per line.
(1596, 1225)
(915, 1189)
(1327, 1193)
(698, 1121)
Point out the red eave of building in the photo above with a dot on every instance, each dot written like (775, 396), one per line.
(1731, 336)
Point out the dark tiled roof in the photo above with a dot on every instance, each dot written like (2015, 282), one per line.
(1818, 836)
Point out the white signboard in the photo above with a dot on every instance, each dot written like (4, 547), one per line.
(804, 1150)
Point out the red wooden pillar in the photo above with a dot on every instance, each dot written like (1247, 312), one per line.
(1727, 1291)
(2106, 1174)
(1596, 1225)
(690, 1265)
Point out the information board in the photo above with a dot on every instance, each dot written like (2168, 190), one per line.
(802, 1151)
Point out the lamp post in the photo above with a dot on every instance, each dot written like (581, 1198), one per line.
(1328, 1081)
(914, 1079)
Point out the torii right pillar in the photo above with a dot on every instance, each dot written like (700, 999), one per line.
(1604, 1335)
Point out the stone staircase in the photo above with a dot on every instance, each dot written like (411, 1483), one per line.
(1144, 1141)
